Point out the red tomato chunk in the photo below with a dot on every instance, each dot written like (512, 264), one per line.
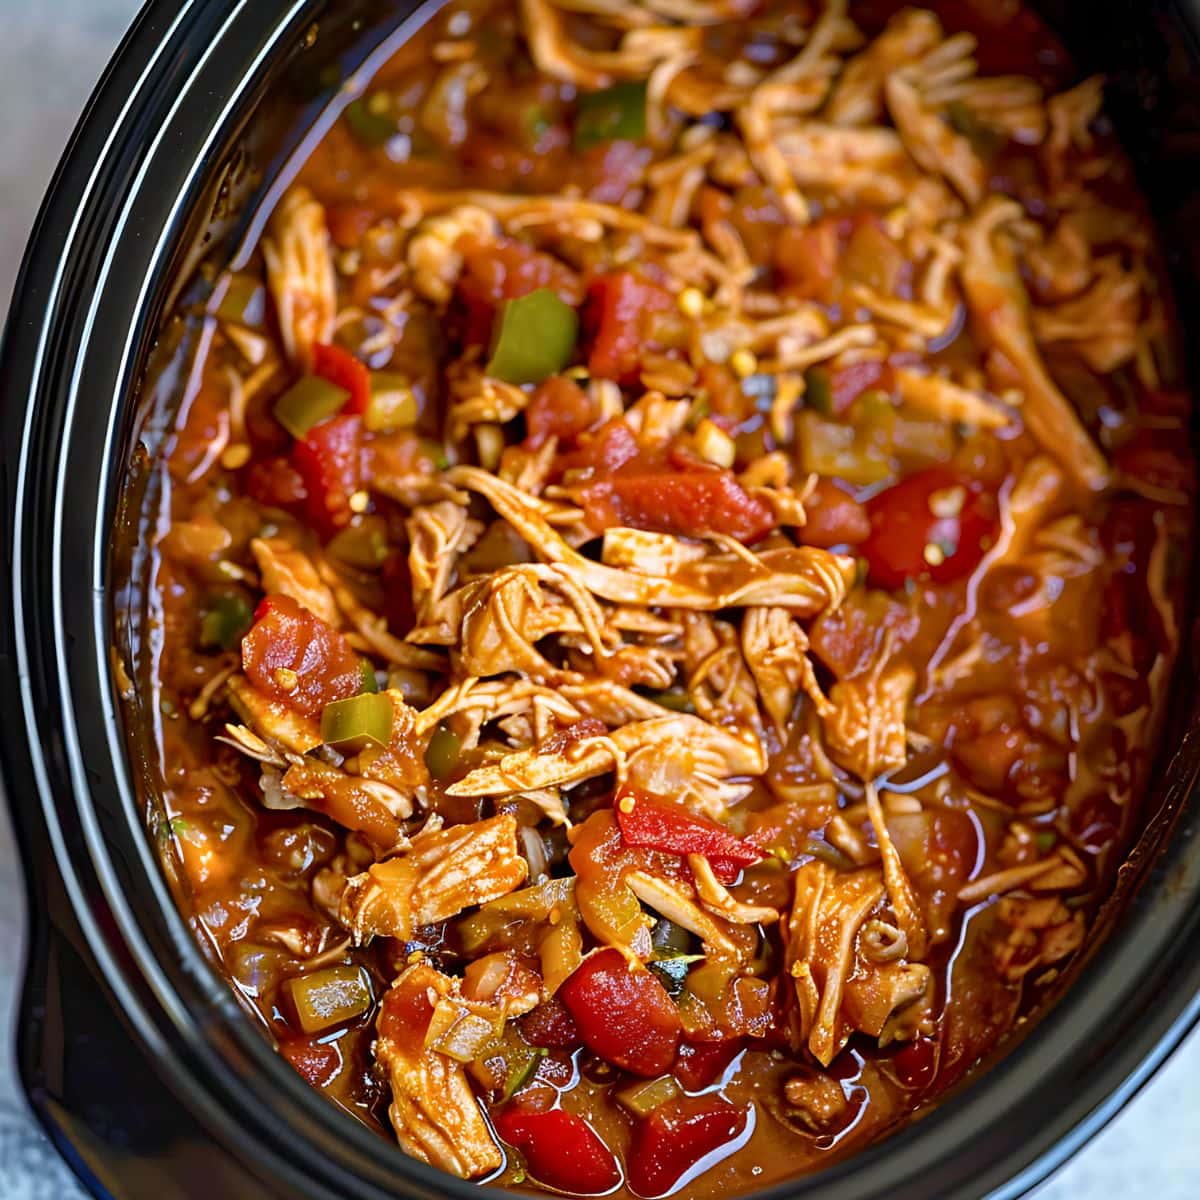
(700, 1064)
(675, 1138)
(934, 524)
(561, 1150)
(835, 518)
(343, 370)
(624, 1014)
(674, 830)
(684, 503)
(617, 316)
(292, 656)
(329, 461)
(558, 408)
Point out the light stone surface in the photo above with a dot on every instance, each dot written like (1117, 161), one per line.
(51, 54)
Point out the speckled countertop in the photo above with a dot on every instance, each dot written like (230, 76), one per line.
(51, 53)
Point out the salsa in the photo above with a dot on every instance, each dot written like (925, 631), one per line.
(666, 573)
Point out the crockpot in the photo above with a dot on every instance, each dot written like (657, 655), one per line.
(145, 1072)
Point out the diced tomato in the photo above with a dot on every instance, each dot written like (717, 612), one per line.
(275, 483)
(561, 1150)
(609, 171)
(848, 383)
(686, 503)
(316, 1062)
(292, 656)
(506, 269)
(603, 452)
(624, 1014)
(910, 540)
(550, 1026)
(658, 825)
(616, 322)
(806, 259)
(679, 1136)
(700, 1064)
(405, 1013)
(343, 370)
(835, 518)
(558, 408)
(348, 222)
(329, 461)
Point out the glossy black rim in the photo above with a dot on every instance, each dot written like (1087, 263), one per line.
(83, 317)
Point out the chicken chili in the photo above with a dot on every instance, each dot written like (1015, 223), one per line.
(669, 569)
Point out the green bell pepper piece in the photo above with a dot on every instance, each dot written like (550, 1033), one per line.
(371, 128)
(818, 391)
(617, 112)
(307, 403)
(392, 404)
(226, 622)
(442, 753)
(534, 337)
(352, 725)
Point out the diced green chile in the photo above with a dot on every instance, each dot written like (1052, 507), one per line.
(392, 404)
(362, 544)
(243, 300)
(818, 391)
(442, 753)
(308, 402)
(371, 128)
(534, 338)
(676, 699)
(226, 622)
(672, 971)
(369, 682)
(617, 112)
(352, 725)
(329, 997)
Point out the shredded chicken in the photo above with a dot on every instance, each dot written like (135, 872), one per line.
(439, 875)
(999, 307)
(838, 990)
(433, 1110)
(300, 272)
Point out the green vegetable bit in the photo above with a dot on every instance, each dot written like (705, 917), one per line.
(523, 1065)
(362, 544)
(442, 753)
(226, 622)
(371, 126)
(672, 972)
(243, 300)
(307, 403)
(818, 391)
(617, 112)
(700, 408)
(534, 338)
(645, 1095)
(352, 725)
(392, 404)
(537, 123)
(369, 682)
(329, 997)
(676, 699)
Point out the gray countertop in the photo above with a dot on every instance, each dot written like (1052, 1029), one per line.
(51, 54)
